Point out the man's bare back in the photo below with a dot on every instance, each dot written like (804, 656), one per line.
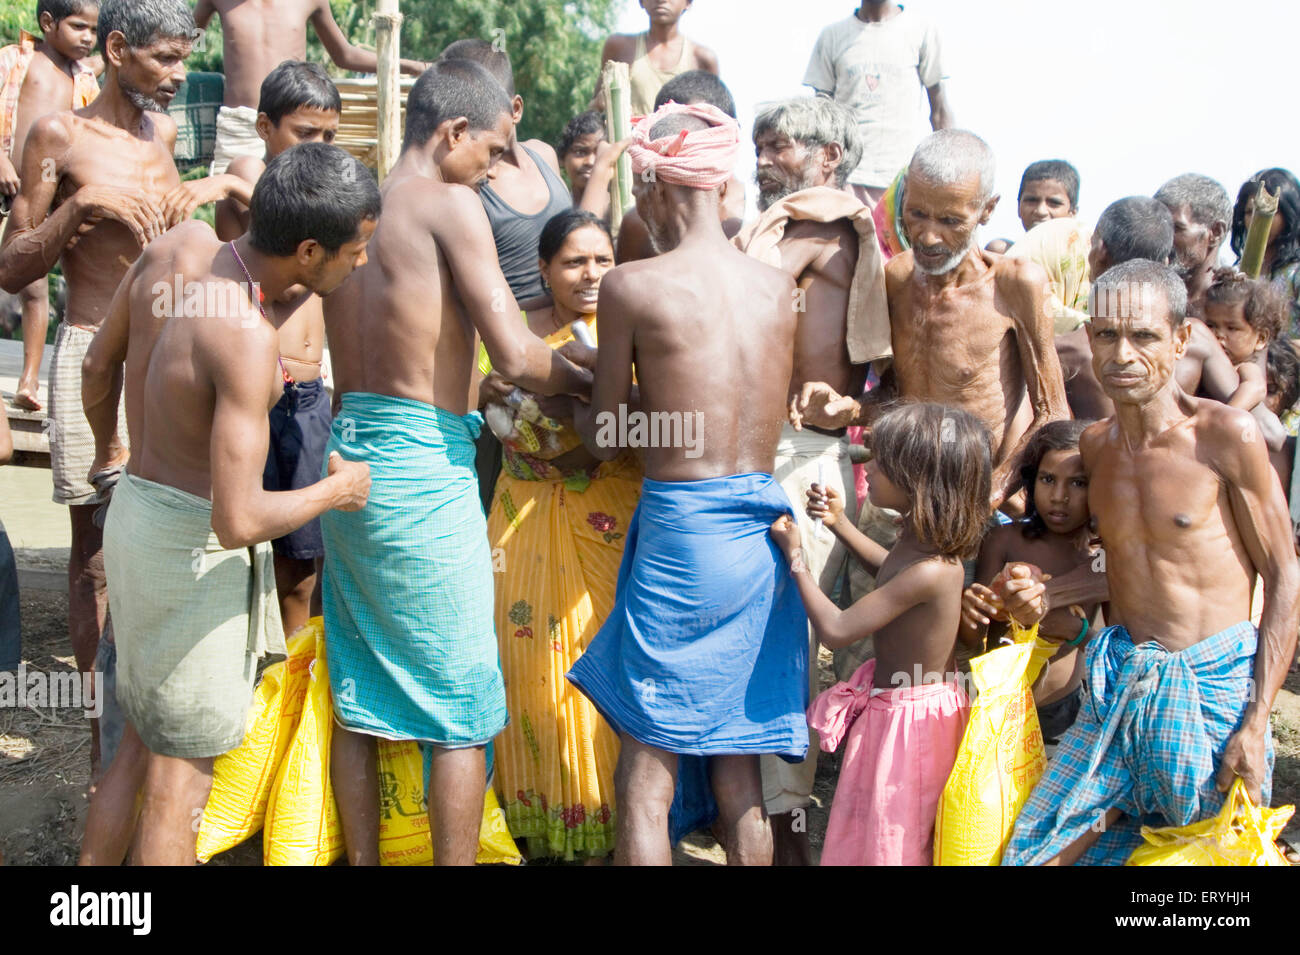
(983, 344)
(823, 258)
(711, 331)
(259, 35)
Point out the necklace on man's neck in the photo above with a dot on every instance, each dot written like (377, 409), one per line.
(256, 293)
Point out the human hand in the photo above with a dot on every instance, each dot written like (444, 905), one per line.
(979, 605)
(607, 156)
(179, 204)
(1021, 589)
(494, 389)
(9, 181)
(819, 405)
(354, 484)
(785, 531)
(1244, 756)
(825, 504)
(581, 355)
(131, 207)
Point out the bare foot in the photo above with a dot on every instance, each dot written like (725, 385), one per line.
(26, 396)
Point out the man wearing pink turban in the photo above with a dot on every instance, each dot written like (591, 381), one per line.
(705, 654)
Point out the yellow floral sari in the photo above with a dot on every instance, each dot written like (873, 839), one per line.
(557, 540)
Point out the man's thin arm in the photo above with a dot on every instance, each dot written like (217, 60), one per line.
(612, 385)
(203, 13)
(344, 54)
(35, 239)
(940, 114)
(102, 374)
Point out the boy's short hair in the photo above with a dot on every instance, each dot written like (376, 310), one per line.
(143, 22)
(1283, 373)
(1136, 227)
(450, 89)
(62, 9)
(584, 124)
(697, 86)
(312, 191)
(295, 84)
(1262, 305)
(1058, 170)
(486, 55)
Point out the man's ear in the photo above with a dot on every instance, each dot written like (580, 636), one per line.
(517, 109)
(116, 48)
(264, 127)
(309, 253)
(1218, 232)
(832, 157)
(457, 131)
(1182, 336)
(987, 212)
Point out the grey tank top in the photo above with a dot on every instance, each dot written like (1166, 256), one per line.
(516, 234)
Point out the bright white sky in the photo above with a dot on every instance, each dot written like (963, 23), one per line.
(1132, 94)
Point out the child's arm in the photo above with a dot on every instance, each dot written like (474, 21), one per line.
(826, 505)
(1252, 388)
(344, 54)
(837, 628)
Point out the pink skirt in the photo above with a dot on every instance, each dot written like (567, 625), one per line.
(900, 748)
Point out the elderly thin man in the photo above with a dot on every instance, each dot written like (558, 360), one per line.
(969, 329)
(824, 237)
(1189, 510)
(1202, 214)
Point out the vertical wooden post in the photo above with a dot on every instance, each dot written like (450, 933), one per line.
(388, 32)
(618, 127)
(1261, 223)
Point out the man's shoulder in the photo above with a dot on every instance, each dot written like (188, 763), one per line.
(57, 128)
(621, 46)
(1095, 436)
(185, 250)
(1021, 283)
(899, 269)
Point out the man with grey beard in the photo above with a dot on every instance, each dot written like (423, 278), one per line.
(816, 230)
(969, 329)
(98, 185)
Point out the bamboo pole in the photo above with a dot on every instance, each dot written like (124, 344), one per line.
(618, 127)
(388, 33)
(1252, 254)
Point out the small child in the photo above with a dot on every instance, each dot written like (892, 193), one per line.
(1283, 393)
(1245, 315)
(902, 714)
(577, 150)
(1054, 537)
(1049, 189)
(37, 77)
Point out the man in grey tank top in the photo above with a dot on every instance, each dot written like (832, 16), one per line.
(522, 194)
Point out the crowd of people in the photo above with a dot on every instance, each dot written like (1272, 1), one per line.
(589, 496)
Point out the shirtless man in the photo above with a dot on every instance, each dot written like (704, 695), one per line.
(298, 104)
(186, 537)
(408, 590)
(1189, 511)
(711, 334)
(969, 329)
(814, 229)
(1202, 214)
(52, 75)
(259, 35)
(98, 184)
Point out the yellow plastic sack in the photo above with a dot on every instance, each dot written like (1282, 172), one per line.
(404, 818)
(1001, 756)
(302, 821)
(242, 779)
(1241, 834)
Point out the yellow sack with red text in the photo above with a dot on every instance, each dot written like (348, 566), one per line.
(242, 778)
(404, 818)
(1241, 834)
(302, 820)
(1001, 756)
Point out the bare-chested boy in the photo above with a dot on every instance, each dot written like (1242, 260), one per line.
(817, 231)
(1189, 511)
(969, 329)
(298, 104)
(705, 653)
(185, 544)
(38, 77)
(98, 184)
(257, 36)
(408, 579)
(656, 56)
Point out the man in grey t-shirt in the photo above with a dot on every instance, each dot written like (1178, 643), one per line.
(872, 62)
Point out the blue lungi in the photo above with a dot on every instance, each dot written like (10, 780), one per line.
(706, 650)
(1148, 741)
(409, 629)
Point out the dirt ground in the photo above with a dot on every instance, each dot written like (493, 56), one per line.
(45, 761)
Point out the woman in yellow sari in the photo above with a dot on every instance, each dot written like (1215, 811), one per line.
(556, 528)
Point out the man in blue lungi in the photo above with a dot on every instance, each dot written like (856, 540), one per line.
(706, 651)
(1190, 511)
(409, 629)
